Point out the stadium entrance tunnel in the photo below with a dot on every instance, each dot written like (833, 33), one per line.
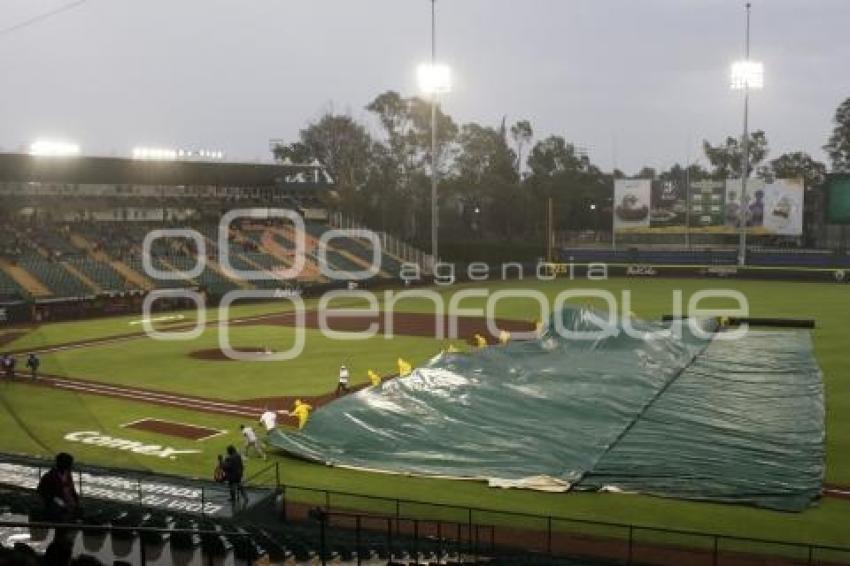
(664, 409)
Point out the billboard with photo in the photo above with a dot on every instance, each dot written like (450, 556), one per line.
(631, 204)
(707, 203)
(781, 210)
(709, 206)
(732, 210)
(669, 204)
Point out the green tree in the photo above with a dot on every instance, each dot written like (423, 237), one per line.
(793, 165)
(838, 146)
(725, 158)
(343, 147)
(406, 125)
(578, 188)
(521, 133)
(485, 182)
(554, 155)
(295, 152)
(646, 173)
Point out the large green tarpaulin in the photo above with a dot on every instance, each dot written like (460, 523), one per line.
(660, 409)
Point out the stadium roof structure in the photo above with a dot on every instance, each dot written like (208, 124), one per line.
(26, 168)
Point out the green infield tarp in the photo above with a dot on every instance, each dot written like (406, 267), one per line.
(660, 409)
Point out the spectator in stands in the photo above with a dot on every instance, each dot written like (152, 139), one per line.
(233, 471)
(57, 491)
(58, 552)
(32, 363)
(342, 384)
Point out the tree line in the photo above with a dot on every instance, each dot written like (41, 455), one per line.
(494, 180)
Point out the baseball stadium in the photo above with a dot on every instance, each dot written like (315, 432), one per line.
(436, 344)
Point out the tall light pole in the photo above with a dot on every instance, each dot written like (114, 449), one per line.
(746, 75)
(434, 79)
(435, 210)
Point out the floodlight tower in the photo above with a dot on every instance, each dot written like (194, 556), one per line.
(746, 75)
(434, 79)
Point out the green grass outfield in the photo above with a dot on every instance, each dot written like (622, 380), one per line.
(37, 423)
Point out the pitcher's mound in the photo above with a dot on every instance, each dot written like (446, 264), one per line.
(216, 355)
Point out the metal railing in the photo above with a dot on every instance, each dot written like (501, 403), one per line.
(565, 536)
(441, 537)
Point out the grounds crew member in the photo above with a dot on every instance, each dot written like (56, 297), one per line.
(32, 363)
(9, 362)
(504, 337)
(342, 384)
(269, 419)
(479, 341)
(251, 441)
(404, 367)
(374, 378)
(302, 411)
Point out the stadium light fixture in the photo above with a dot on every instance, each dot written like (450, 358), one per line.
(165, 154)
(53, 148)
(154, 153)
(434, 78)
(747, 75)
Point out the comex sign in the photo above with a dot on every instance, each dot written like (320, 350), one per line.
(95, 438)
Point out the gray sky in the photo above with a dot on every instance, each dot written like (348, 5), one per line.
(639, 81)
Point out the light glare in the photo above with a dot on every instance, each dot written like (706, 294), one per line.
(747, 74)
(434, 79)
(54, 148)
(154, 153)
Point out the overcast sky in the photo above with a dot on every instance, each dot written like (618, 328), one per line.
(636, 82)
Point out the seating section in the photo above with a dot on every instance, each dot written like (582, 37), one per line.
(358, 247)
(53, 240)
(101, 273)
(11, 245)
(73, 260)
(9, 288)
(59, 280)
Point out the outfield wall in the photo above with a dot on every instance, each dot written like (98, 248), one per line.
(23, 312)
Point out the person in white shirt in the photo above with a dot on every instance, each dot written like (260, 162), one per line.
(251, 441)
(269, 420)
(342, 384)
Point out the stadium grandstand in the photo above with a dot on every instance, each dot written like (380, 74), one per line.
(74, 227)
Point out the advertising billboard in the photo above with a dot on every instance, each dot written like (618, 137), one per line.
(631, 204)
(709, 206)
(838, 193)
